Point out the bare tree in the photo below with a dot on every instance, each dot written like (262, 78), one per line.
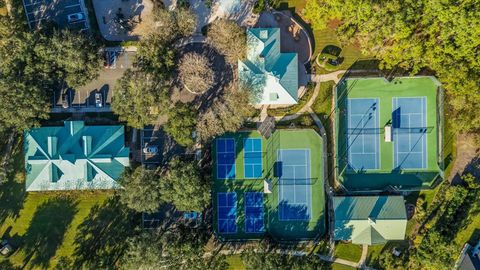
(229, 39)
(196, 73)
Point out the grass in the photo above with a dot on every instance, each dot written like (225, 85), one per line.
(348, 251)
(235, 262)
(373, 255)
(337, 266)
(46, 226)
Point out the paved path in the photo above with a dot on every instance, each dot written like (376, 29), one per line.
(327, 77)
(304, 109)
(361, 262)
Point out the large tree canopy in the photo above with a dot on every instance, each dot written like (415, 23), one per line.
(182, 121)
(32, 64)
(266, 259)
(415, 34)
(228, 39)
(184, 186)
(139, 97)
(177, 248)
(226, 114)
(141, 190)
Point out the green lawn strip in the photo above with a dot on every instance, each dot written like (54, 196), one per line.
(295, 108)
(470, 233)
(235, 262)
(337, 266)
(348, 251)
(51, 217)
(374, 252)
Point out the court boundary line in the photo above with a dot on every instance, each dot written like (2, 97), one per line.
(244, 158)
(309, 193)
(377, 143)
(218, 211)
(423, 139)
(263, 213)
(234, 162)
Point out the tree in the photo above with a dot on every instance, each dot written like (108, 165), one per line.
(195, 72)
(141, 190)
(226, 114)
(182, 121)
(175, 248)
(267, 259)
(415, 35)
(228, 39)
(184, 186)
(172, 25)
(138, 98)
(155, 55)
(470, 181)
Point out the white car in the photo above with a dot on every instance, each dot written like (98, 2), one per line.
(152, 149)
(75, 17)
(98, 100)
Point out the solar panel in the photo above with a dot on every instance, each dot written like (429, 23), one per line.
(253, 157)
(227, 212)
(254, 222)
(225, 158)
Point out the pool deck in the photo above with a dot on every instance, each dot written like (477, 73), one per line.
(278, 229)
(388, 175)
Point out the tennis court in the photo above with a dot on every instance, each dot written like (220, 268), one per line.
(389, 134)
(254, 212)
(363, 133)
(409, 132)
(295, 196)
(225, 158)
(253, 157)
(227, 212)
(276, 185)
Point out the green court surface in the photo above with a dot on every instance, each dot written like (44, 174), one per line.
(387, 174)
(283, 230)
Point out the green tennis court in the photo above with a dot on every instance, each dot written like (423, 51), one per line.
(276, 187)
(388, 134)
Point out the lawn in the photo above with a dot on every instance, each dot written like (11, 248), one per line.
(348, 251)
(235, 262)
(46, 226)
(337, 266)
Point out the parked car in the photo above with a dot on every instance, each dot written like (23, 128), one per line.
(5, 248)
(152, 149)
(98, 100)
(65, 100)
(75, 17)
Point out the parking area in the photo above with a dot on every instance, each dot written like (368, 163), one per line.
(98, 93)
(157, 147)
(66, 13)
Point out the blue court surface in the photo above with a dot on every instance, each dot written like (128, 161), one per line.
(227, 212)
(254, 212)
(363, 133)
(225, 158)
(409, 132)
(253, 157)
(295, 196)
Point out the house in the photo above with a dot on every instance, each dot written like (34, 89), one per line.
(74, 156)
(369, 220)
(270, 74)
(469, 258)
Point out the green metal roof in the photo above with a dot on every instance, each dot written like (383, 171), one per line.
(267, 70)
(369, 219)
(74, 156)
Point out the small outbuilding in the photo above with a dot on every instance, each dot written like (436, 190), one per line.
(369, 220)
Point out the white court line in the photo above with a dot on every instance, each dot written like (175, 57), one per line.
(70, 6)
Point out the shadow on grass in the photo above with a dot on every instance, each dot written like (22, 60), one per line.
(100, 240)
(47, 228)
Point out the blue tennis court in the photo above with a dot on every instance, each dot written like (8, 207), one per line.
(409, 132)
(254, 212)
(225, 158)
(253, 157)
(227, 212)
(295, 196)
(363, 133)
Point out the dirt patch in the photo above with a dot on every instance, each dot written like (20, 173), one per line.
(334, 23)
(468, 158)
